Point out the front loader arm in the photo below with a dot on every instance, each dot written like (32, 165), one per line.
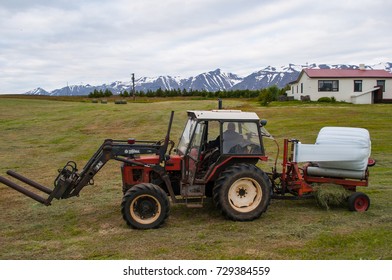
(111, 149)
(70, 182)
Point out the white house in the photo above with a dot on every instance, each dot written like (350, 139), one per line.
(357, 86)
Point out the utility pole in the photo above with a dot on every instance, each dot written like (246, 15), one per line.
(133, 86)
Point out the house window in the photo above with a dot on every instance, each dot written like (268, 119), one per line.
(357, 85)
(302, 87)
(382, 84)
(328, 85)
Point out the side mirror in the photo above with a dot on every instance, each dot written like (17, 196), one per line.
(263, 123)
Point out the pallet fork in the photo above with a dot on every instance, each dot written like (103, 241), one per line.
(62, 184)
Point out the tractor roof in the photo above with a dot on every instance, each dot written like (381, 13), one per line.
(224, 115)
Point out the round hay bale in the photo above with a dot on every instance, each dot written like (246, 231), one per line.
(327, 195)
(120, 102)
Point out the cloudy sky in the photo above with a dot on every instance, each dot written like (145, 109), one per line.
(49, 43)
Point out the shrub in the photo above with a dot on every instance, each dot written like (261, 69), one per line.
(268, 95)
(327, 99)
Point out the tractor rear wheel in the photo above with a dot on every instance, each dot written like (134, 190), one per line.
(359, 202)
(145, 206)
(242, 192)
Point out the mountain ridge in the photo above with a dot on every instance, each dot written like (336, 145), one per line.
(211, 81)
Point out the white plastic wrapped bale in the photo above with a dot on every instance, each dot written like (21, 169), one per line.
(356, 142)
(346, 148)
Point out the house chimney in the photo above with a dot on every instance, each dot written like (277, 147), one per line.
(362, 66)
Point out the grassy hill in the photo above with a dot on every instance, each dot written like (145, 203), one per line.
(39, 136)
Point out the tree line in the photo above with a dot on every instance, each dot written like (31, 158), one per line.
(265, 95)
(100, 93)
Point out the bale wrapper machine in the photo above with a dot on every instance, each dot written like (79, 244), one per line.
(340, 156)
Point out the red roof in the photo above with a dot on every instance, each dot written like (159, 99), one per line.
(347, 73)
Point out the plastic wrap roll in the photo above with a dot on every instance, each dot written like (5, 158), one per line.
(333, 172)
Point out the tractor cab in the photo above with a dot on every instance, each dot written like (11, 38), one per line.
(217, 137)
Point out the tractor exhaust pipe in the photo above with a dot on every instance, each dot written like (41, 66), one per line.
(163, 149)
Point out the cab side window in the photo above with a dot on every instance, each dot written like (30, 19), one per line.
(241, 138)
(231, 136)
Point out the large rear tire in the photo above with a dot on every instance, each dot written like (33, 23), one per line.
(145, 206)
(242, 192)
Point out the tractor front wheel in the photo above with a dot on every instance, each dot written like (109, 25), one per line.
(145, 206)
(242, 192)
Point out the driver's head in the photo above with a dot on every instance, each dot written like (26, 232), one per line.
(231, 126)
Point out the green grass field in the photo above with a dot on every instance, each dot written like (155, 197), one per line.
(38, 136)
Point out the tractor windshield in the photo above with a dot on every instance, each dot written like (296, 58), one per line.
(186, 136)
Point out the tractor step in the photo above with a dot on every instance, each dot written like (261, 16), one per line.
(193, 191)
(193, 195)
(194, 205)
(194, 202)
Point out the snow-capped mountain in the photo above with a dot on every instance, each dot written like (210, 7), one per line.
(38, 91)
(270, 76)
(74, 90)
(210, 81)
(383, 66)
(164, 82)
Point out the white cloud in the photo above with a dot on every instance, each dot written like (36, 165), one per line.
(48, 43)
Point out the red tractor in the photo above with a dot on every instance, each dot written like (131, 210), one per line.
(216, 157)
